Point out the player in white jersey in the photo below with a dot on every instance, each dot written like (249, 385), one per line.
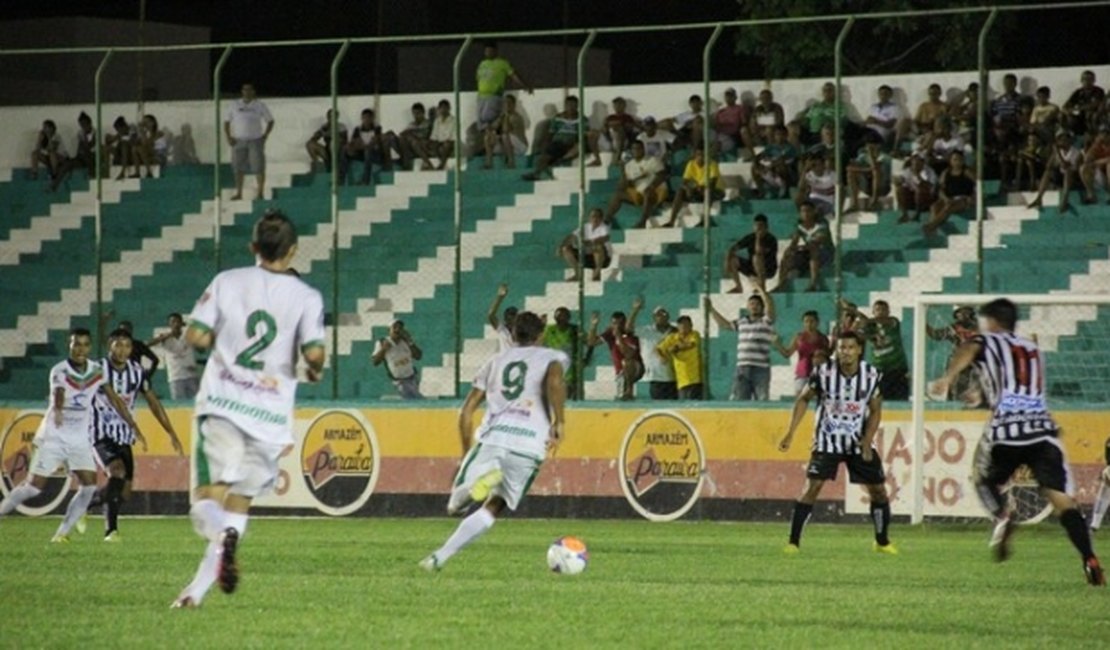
(63, 438)
(525, 393)
(112, 436)
(254, 320)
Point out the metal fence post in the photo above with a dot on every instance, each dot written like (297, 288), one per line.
(583, 125)
(334, 127)
(980, 128)
(217, 200)
(460, 142)
(707, 230)
(98, 226)
(838, 133)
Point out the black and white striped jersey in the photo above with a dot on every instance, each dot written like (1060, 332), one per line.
(127, 382)
(842, 406)
(1011, 372)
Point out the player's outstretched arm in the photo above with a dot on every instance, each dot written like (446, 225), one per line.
(466, 417)
(555, 390)
(124, 412)
(163, 418)
(871, 427)
(801, 403)
(963, 357)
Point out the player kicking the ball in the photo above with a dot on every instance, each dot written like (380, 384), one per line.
(849, 410)
(525, 394)
(63, 438)
(1020, 431)
(254, 319)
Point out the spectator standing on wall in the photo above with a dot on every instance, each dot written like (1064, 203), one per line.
(754, 335)
(562, 335)
(400, 354)
(682, 349)
(247, 125)
(624, 349)
(887, 354)
(807, 343)
(493, 72)
(181, 363)
(658, 370)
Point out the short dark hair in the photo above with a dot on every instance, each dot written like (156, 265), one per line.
(807, 202)
(1010, 77)
(852, 334)
(50, 123)
(886, 87)
(444, 102)
(694, 98)
(760, 218)
(120, 122)
(273, 235)
(883, 303)
(175, 314)
(527, 328)
(619, 315)
(1044, 90)
(119, 333)
(367, 111)
(126, 325)
(572, 98)
(756, 297)
(510, 312)
(80, 331)
(84, 117)
(418, 106)
(812, 312)
(1003, 311)
(685, 319)
(490, 43)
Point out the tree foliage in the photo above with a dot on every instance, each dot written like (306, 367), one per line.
(874, 46)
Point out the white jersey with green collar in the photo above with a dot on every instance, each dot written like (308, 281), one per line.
(516, 402)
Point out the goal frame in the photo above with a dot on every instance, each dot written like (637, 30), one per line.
(921, 304)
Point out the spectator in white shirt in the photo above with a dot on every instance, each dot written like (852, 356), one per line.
(643, 182)
(597, 249)
(400, 354)
(818, 186)
(658, 371)
(657, 142)
(181, 364)
(883, 116)
(247, 125)
(915, 188)
(1062, 168)
(443, 133)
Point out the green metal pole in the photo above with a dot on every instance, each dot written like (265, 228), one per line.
(707, 240)
(217, 200)
(582, 126)
(980, 129)
(460, 142)
(335, 217)
(98, 206)
(838, 111)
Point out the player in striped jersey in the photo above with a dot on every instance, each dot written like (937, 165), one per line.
(63, 436)
(1020, 431)
(850, 407)
(113, 436)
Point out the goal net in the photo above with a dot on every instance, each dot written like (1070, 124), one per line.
(931, 458)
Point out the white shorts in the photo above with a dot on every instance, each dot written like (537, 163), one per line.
(518, 471)
(225, 454)
(53, 452)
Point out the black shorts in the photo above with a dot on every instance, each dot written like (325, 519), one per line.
(108, 451)
(558, 149)
(895, 385)
(771, 266)
(663, 389)
(589, 262)
(822, 466)
(1045, 459)
(692, 392)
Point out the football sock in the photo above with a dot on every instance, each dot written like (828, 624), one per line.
(236, 520)
(802, 513)
(470, 529)
(206, 573)
(880, 515)
(208, 518)
(1099, 513)
(23, 492)
(1073, 522)
(113, 497)
(77, 507)
(993, 500)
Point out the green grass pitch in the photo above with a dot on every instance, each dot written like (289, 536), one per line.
(355, 583)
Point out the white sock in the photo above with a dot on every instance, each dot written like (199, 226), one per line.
(208, 518)
(469, 530)
(1101, 504)
(22, 492)
(206, 574)
(77, 507)
(236, 520)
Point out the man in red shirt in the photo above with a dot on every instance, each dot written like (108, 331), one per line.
(624, 348)
(619, 130)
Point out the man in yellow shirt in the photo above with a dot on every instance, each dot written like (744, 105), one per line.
(493, 72)
(697, 176)
(683, 350)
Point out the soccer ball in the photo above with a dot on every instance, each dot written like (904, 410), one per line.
(567, 555)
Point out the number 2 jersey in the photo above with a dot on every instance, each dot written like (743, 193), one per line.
(517, 416)
(261, 321)
(1011, 372)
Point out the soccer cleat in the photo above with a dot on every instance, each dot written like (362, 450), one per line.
(184, 602)
(791, 549)
(431, 563)
(1000, 539)
(479, 492)
(82, 525)
(228, 573)
(113, 536)
(889, 549)
(59, 539)
(1093, 570)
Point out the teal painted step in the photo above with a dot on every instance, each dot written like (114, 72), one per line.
(42, 277)
(22, 200)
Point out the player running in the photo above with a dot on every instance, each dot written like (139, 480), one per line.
(112, 436)
(526, 393)
(254, 319)
(849, 410)
(1020, 431)
(63, 437)
(1102, 501)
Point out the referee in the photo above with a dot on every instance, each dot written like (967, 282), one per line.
(849, 410)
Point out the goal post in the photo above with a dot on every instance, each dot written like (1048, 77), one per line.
(1060, 323)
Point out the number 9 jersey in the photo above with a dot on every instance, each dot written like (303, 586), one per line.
(260, 320)
(516, 401)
